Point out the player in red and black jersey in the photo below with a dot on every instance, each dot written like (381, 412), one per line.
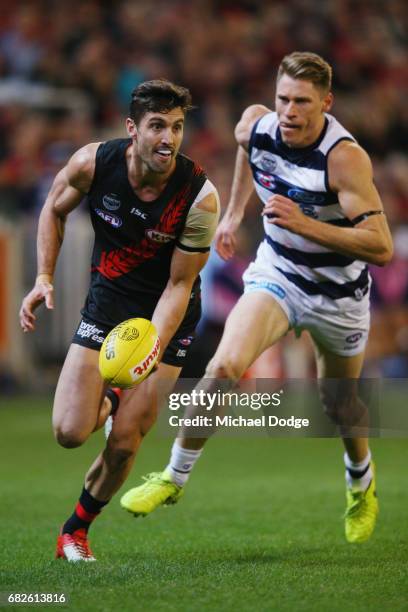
(154, 213)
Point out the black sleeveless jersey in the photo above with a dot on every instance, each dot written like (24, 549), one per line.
(134, 240)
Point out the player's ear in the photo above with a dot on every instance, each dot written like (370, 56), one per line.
(131, 128)
(328, 102)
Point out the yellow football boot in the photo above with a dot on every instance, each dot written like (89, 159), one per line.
(158, 490)
(361, 512)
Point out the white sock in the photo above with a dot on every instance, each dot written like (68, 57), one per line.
(182, 461)
(353, 479)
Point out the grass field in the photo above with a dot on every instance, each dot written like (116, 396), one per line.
(259, 528)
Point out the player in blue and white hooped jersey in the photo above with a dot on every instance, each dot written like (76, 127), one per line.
(323, 222)
(324, 291)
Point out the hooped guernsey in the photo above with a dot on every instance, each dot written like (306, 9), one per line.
(134, 240)
(301, 175)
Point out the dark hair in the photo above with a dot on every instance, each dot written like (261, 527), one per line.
(158, 96)
(307, 67)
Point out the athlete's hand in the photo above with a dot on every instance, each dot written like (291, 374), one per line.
(225, 239)
(42, 292)
(285, 213)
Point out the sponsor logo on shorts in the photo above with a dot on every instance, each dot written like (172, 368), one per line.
(144, 366)
(308, 197)
(111, 201)
(89, 330)
(186, 341)
(113, 220)
(129, 333)
(353, 338)
(268, 163)
(160, 237)
(273, 287)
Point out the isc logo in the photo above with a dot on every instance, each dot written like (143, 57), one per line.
(138, 213)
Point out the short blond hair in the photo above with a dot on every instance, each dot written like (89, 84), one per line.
(307, 67)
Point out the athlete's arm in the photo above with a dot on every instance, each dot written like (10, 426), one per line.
(185, 267)
(242, 184)
(351, 177)
(68, 189)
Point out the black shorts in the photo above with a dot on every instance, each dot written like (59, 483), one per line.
(105, 307)
(91, 335)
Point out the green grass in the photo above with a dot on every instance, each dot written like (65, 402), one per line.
(259, 527)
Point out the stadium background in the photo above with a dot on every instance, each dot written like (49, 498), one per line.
(66, 73)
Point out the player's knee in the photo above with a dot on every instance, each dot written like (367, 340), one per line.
(339, 403)
(328, 401)
(331, 410)
(68, 437)
(228, 367)
(119, 455)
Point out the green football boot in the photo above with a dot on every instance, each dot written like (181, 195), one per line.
(361, 512)
(158, 490)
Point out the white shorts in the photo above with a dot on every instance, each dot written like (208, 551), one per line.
(341, 331)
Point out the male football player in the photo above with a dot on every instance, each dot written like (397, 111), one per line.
(154, 213)
(323, 222)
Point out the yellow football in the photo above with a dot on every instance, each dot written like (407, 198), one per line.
(129, 352)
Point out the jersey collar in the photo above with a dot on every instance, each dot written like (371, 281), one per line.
(291, 153)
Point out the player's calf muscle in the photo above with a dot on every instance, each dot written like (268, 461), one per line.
(116, 457)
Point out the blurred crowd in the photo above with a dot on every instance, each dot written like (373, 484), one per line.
(67, 70)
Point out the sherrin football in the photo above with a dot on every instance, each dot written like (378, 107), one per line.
(129, 352)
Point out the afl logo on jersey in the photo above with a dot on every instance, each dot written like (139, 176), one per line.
(268, 163)
(109, 218)
(159, 237)
(186, 341)
(266, 180)
(111, 201)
